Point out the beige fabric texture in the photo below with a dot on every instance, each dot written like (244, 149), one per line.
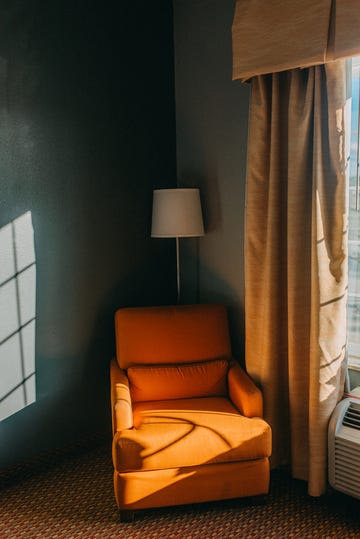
(296, 259)
(274, 36)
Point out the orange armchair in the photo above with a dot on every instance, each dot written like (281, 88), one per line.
(187, 420)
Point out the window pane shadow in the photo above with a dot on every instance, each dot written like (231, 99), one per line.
(17, 316)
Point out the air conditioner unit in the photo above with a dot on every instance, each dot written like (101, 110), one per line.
(344, 447)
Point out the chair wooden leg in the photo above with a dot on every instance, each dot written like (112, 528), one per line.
(127, 516)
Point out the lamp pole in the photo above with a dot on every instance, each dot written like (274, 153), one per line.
(178, 267)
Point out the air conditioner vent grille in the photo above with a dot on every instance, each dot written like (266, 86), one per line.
(344, 447)
(347, 467)
(352, 416)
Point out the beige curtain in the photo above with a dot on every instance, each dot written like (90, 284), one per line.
(295, 259)
(274, 36)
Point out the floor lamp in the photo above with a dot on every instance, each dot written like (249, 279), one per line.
(177, 214)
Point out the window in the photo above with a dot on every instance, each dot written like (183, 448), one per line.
(354, 232)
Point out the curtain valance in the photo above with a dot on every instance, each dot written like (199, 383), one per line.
(276, 35)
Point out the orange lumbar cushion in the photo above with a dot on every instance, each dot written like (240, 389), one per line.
(161, 382)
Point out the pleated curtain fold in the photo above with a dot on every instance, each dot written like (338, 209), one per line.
(296, 259)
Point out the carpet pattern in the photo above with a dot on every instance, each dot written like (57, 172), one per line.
(74, 499)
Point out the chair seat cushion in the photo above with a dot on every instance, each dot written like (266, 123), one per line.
(189, 432)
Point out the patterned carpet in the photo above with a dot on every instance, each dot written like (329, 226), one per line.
(74, 499)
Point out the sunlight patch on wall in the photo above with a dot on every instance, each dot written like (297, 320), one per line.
(17, 315)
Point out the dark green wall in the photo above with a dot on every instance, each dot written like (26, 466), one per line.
(211, 129)
(87, 130)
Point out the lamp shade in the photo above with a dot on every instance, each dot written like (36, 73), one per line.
(176, 213)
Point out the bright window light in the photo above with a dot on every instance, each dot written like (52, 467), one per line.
(17, 316)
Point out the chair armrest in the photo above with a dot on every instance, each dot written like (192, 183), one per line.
(121, 408)
(243, 392)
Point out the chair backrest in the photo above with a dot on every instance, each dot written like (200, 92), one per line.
(171, 334)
